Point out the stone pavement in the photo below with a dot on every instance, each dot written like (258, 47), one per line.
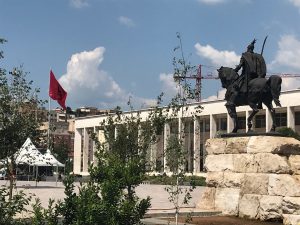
(159, 197)
(160, 205)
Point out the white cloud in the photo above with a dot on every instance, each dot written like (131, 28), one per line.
(215, 2)
(126, 21)
(212, 2)
(216, 57)
(79, 3)
(287, 59)
(288, 54)
(219, 96)
(168, 86)
(172, 88)
(88, 85)
(295, 3)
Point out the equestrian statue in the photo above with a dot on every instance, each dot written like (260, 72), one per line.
(251, 87)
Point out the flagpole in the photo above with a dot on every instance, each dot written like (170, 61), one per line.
(49, 116)
(49, 119)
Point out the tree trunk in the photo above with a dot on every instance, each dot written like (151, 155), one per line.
(11, 176)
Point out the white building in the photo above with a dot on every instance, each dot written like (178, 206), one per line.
(198, 127)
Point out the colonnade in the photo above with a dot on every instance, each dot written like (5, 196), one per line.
(195, 143)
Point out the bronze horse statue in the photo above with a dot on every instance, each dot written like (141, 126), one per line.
(260, 90)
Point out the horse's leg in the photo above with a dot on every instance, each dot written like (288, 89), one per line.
(232, 113)
(253, 113)
(235, 124)
(274, 83)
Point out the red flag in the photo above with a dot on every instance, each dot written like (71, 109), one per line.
(56, 92)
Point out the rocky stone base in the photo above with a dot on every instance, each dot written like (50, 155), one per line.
(255, 177)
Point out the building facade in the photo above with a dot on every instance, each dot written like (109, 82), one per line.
(196, 126)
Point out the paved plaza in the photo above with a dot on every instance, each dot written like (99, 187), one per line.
(160, 204)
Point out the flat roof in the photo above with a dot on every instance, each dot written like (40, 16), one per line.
(189, 104)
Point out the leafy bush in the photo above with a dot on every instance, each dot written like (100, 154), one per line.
(68, 207)
(43, 216)
(288, 132)
(169, 180)
(9, 208)
(195, 180)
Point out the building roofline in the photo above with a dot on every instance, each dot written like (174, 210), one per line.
(189, 104)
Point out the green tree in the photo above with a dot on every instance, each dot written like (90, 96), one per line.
(121, 167)
(176, 155)
(18, 115)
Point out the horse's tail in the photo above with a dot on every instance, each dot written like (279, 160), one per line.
(274, 82)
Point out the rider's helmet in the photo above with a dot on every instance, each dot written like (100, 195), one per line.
(251, 46)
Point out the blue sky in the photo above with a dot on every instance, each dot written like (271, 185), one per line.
(103, 51)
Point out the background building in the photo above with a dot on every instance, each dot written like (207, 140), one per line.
(197, 127)
(62, 127)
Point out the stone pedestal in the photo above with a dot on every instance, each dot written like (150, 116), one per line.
(256, 177)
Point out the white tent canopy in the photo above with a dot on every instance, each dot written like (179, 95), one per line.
(52, 160)
(30, 155)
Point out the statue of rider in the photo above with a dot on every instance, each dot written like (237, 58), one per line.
(253, 65)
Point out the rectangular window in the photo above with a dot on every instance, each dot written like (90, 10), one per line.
(204, 125)
(201, 157)
(174, 127)
(222, 124)
(297, 118)
(242, 122)
(281, 119)
(189, 127)
(201, 126)
(260, 121)
(207, 126)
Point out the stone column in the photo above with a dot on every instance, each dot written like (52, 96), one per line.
(152, 149)
(101, 136)
(140, 132)
(269, 120)
(96, 130)
(213, 126)
(77, 151)
(290, 117)
(85, 154)
(197, 137)
(181, 128)
(116, 131)
(166, 138)
(229, 124)
(181, 136)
